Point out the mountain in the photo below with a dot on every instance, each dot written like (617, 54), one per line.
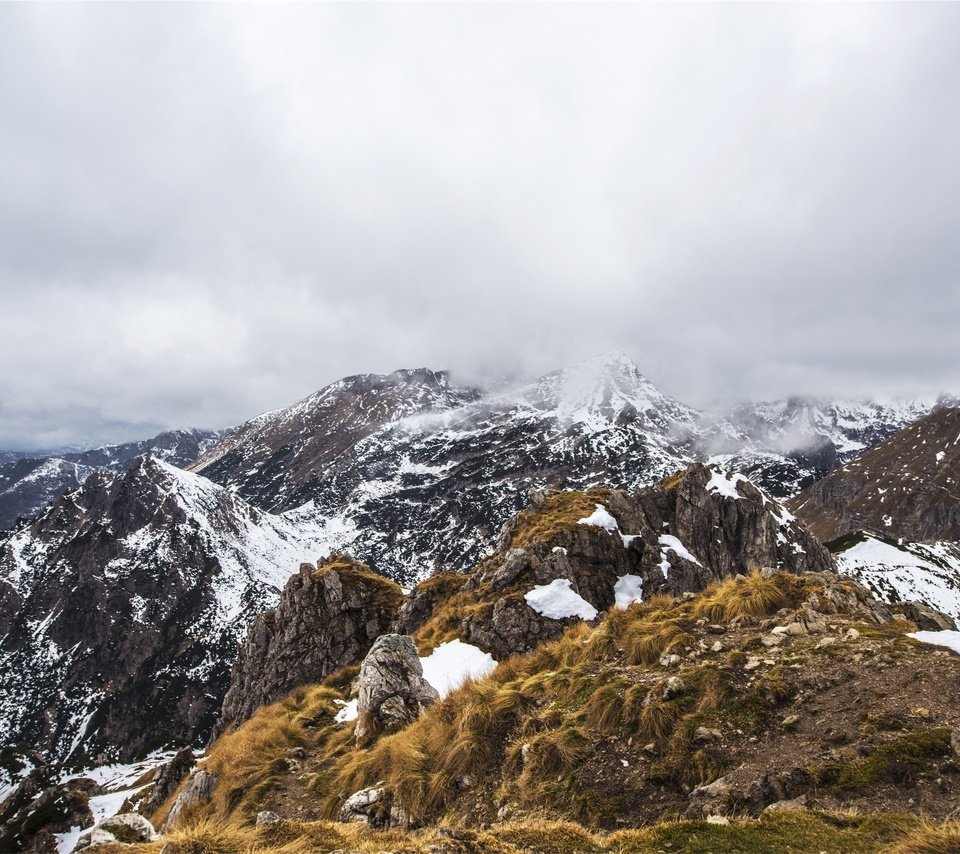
(412, 474)
(428, 480)
(905, 487)
(29, 482)
(121, 606)
(794, 442)
(903, 571)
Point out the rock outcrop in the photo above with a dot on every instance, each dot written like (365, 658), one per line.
(328, 617)
(393, 692)
(41, 807)
(167, 779)
(198, 790)
(674, 537)
(126, 828)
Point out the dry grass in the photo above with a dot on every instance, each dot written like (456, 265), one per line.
(743, 596)
(560, 510)
(931, 838)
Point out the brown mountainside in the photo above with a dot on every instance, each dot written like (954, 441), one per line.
(907, 486)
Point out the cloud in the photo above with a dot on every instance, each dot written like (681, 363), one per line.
(212, 210)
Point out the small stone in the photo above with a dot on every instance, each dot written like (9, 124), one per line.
(790, 720)
(825, 642)
(717, 647)
(674, 687)
(267, 817)
(799, 803)
(772, 640)
(714, 629)
(752, 664)
(851, 635)
(717, 819)
(795, 629)
(671, 660)
(779, 630)
(922, 712)
(650, 748)
(704, 735)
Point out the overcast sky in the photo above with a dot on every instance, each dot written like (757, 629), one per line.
(208, 211)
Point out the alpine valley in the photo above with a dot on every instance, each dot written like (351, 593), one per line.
(408, 615)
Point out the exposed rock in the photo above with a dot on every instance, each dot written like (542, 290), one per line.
(36, 810)
(794, 804)
(710, 799)
(676, 537)
(393, 692)
(198, 790)
(673, 687)
(926, 618)
(328, 617)
(123, 828)
(267, 817)
(167, 779)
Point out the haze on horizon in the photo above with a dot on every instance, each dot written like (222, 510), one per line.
(207, 211)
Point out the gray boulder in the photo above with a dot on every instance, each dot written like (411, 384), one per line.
(393, 692)
(124, 828)
(927, 619)
(198, 790)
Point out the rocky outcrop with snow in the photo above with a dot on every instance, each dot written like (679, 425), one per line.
(327, 617)
(122, 605)
(393, 692)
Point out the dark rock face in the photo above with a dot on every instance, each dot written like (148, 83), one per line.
(122, 607)
(28, 483)
(327, 618)
(904, 487)
(39, 808)
(393, 692)
(167, 779)
(925, 618)
(674, 537)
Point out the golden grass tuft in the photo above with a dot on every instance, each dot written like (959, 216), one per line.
(560, 510)
(645, 640)
(931, 838)
(742, 596)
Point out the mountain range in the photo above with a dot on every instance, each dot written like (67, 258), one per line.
(141, 583)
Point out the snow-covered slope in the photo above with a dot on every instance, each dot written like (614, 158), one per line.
(432, 488)
(124, 601)
(428, 479)
(795, 442)
(899, 571)
(29, 482)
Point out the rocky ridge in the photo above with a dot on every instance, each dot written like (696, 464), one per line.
(425, 486)
(29, 482)
(130, 594)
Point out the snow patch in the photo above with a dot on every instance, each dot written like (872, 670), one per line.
(949, 639)
(670, 543)
(600, 518)
(349, 712)
(453, 663)
(557, 600)
(723, 485)
(627, 590)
